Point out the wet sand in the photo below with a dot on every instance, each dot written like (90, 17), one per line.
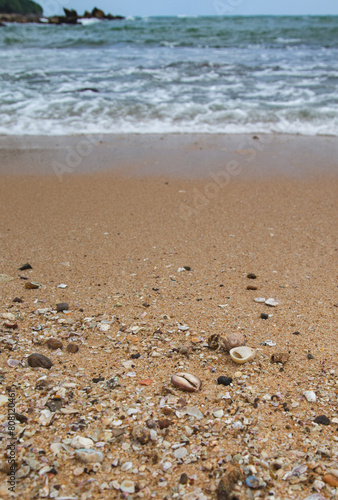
(118, 230)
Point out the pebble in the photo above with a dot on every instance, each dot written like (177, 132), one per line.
(252, 287)
(310, 356)
(54, 343)
(264, 316)
(164, 423)
(62, 306)
(251, 276)
(81, 442)
(259, 300)
(254, 482)
(322, 420)
(141, 434)
(62, 286)
(37, 360)
(224, 380)
(32, 285)
(89, 456)
(72, 347)
(180, 453)
(218, 413)
(25, 267)
(183, 478)
(331, 480)
(310, 396)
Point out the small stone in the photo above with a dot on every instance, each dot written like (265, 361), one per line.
(218, 413)
(62, 306)
(164, 423)
(228, 482)
(310, 396)
(25, 267)
(147, 381)
(224, 380)
(183, 478)
(10, 326)
(331, 480)
(251, 276)
(296, 333)
(62, 286)
(236, 339)
(280, 357)
(54, 343)
(72, 348)
(180, 453)
(141, 434)
(310, 356)
(37, 360)
(252, 287)
(151, 423)
(18, 300)
(254, 482)
(32, 285)
(322, 420)
(259, 300)
(81, 442)
(264, 316)
(127, 486)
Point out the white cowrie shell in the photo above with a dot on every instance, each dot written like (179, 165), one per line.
(186, 382)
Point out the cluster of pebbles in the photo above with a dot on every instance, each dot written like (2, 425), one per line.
(112, 407)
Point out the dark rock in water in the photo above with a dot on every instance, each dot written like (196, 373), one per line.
(37, 360)
(264, 316)
(62, 306)
(251, 276)
(2, 24)
(25, 267)
(70, 17)
(88, 89)
(322, 420)
(98, 13)
(224, 380)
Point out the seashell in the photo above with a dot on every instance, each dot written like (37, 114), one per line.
(37, 360)
(32, 285)
(214, 341)
(272, 302)
(186, 382)
(127, 486)
(234, 340)
(242, 354)
(89, 456)
(81, 442)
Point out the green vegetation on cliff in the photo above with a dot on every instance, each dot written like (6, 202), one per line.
(20, 7)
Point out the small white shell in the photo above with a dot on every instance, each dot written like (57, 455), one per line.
(242, 354)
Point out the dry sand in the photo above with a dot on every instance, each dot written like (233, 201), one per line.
(119, 242)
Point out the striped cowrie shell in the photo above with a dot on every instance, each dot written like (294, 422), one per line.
(186, 382)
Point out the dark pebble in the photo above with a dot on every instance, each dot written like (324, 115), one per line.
(21, 418)
(72, 347)
(53, 343)
(296, 333)
(184, 478)
(251, 276)
(251, 287)
(187, 268)
(97, 379)
(37, 360)
(63, 306)
(309, 356)
(25, 267)
(322, 420)
(224, 380)
(135, 356)
(18, 300)
(264, 316)
(164, 423)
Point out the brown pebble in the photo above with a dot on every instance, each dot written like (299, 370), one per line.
(331, 480)
(18, 300)
(62, 306)
(251, 276)
(227, 483)
(280, 357)
(151, 423)
(184, 478)
(235, 339)
(167, 411)
(37, 360)
(54, 343)
(72, 347)
(141, 434)
(182, 402)
(252, 287)
(164, 423)
(12, 326)
(30, 285)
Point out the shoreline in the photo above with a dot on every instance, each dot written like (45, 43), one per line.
(173, 155)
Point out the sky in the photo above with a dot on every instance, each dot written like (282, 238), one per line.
(196, 7)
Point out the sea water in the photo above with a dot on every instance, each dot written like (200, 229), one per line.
(168, 74)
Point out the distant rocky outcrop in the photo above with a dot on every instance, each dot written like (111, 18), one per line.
(27, 11)
(23, 7)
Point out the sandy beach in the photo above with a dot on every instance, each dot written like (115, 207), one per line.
(154, 238)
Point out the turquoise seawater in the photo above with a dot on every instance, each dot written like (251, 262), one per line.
(148, 75)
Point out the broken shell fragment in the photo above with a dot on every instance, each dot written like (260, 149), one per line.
(31, 285)
(186, 382)
(234, 340)
(89, 456)
(242, 354)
